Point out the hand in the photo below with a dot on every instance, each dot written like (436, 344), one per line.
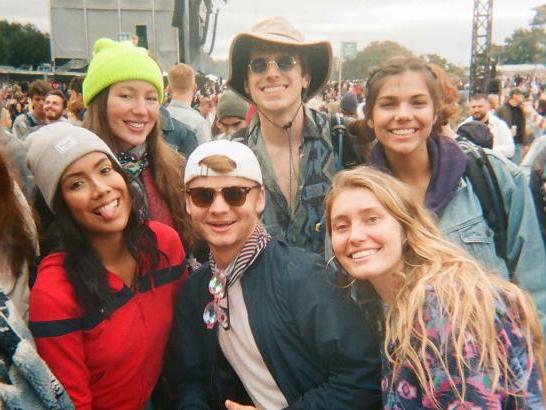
(231, 405)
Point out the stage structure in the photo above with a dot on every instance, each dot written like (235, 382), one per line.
(481, 70)
(197, 22)
(76, 24)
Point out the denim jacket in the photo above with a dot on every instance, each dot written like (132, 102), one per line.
(462, 221)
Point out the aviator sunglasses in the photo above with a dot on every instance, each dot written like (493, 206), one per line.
(285, 63)
(233, 195)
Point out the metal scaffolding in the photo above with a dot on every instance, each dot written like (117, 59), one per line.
(480, 61)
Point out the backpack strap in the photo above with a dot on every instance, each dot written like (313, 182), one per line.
(485, 184)
(343, 143)
(30, 120)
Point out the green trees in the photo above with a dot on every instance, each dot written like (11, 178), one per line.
(22, 44)
(375, 53)
(378, 52)
(525, 45)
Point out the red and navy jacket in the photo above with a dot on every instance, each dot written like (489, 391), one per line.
(108, 362)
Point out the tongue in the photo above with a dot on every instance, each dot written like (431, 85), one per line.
(107, 212)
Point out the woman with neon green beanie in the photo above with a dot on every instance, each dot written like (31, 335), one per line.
(122, 91)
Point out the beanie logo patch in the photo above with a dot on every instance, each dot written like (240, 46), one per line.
(65, 145)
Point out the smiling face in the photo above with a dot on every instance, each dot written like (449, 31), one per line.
(403, 114)
(132, 111)
(225, 228)
(53, 107)
(366, 238)
(96, 195)
(275, 91)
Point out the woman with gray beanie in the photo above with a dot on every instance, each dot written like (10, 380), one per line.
(101, 308)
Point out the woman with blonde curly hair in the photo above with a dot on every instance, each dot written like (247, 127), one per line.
(455, 335)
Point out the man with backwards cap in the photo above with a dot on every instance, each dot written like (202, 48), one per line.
(274, 68)
(260, 324)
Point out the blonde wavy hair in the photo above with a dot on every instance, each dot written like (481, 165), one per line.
(465, 291)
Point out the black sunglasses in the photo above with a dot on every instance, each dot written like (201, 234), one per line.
(284, 63)
(233, 195)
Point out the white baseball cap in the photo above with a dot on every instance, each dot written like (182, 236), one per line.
(246, 163)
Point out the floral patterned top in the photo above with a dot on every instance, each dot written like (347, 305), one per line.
(404, 391)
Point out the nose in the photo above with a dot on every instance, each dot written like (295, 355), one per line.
(100, 188)
(219, 205)
(404, 112)
(272, 68)
(358, 233)
(139, 106)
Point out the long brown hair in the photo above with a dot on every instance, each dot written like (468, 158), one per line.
(15, 228)
(466, 292)
(166, 164)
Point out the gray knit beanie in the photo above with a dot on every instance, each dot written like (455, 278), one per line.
(52, 148)
(231, 105)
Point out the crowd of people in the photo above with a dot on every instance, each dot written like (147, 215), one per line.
(280, 241)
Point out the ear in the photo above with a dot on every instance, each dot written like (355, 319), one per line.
(187, 202)
(306, 81)
(369, 123)
(245, 87)
(260, 203)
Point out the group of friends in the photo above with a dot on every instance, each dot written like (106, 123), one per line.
(323, 286)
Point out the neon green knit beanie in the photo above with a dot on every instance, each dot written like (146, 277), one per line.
(114, 62)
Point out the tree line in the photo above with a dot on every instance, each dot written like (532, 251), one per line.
(525, 45)
(23, 44)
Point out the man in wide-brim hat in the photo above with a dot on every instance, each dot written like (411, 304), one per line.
(273, 67)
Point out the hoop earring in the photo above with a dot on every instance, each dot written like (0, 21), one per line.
(341, 271)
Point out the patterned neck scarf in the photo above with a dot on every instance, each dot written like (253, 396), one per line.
(247, 255)
(135, 160)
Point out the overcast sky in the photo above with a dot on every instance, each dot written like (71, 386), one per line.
(443, 27)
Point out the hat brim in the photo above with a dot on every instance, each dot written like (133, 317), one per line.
(319, 54)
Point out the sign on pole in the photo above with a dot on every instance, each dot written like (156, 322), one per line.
(349, 50)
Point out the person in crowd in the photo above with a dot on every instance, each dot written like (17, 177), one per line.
(24, 122)
(455, 335)
(348, 105)
(75, 109)
(206, 109)
(513, 114)
(182, 89)
(54, 106)
(26, 382)
(18, 239)
(260, 324)
(122, 90)
(5, 120)
(102, 305)
(274, 68)
(178, 136)
(494, 101)
(537, 180)
(503, 142)
(230, 115)
(403, 103)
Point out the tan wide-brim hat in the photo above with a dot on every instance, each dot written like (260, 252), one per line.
(277, 30)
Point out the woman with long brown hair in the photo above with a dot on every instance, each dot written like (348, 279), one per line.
(405, 112)
(18, 241)
(122, 91)
(454, 335)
